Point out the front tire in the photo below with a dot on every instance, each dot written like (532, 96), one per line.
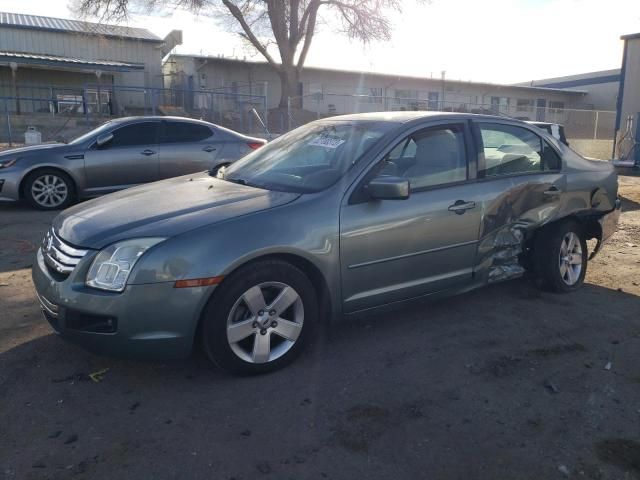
(260, 318)
(561, 257)
(49, 189)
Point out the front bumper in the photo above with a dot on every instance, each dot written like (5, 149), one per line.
(152, 320)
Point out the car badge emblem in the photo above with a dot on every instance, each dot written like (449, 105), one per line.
(49, 242)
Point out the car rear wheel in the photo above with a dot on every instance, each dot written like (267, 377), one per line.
(561, 257)
(49, 189)
(260, 318)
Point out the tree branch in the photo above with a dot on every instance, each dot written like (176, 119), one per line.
(237, 14)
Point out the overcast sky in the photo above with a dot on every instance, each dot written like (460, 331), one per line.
(500, 41)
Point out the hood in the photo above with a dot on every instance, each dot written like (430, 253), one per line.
(162, 209)
(32, 148)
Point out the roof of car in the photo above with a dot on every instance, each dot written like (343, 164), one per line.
(402, 117)
(157, 117)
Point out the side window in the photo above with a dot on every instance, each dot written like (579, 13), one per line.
(182, 132)
(511, 150)
(430, 157)
(144, 133)
(550, 159)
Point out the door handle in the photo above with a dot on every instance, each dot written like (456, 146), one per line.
(460, 206)
(553, 191)
(147, 152)
(209, 149)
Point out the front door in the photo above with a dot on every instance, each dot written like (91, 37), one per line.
(130, 158)
(394, 250)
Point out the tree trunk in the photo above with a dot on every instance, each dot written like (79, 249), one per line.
(289, 81)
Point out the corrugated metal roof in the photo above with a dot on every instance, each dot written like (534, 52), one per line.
(36, 59)
(36, 22)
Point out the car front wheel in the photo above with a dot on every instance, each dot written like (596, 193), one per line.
(49, 189)
(561, 257)
(260, 318)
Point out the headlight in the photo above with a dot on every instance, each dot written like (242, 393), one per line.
(8, 163)
(111, 268)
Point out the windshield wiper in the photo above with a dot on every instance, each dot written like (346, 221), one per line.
(242, 181)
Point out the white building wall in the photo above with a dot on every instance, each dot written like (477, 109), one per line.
(327, 92)
(631, 97)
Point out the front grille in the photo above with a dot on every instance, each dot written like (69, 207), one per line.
(60, 256)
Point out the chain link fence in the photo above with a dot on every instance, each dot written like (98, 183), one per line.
(62, 113)
(589, 132)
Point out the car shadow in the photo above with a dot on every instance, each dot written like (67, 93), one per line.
(479, 375)
(629, 205)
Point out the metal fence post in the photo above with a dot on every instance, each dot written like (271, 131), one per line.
(265, 91)
(84, 104)
(6, 109)
(595, 128)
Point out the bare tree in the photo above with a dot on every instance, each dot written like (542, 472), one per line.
(288, 24)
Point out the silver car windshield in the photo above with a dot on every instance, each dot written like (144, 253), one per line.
(307, 159)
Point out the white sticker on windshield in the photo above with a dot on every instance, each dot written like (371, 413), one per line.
(326, 141)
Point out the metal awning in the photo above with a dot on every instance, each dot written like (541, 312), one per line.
(37, 60)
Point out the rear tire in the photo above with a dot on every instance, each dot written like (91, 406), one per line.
(561, 257)
(260, 318)
(49, 189)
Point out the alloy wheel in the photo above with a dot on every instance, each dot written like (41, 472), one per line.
(265, 322)
(49, 191)
(570, 259)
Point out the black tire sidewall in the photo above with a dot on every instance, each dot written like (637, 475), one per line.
(548, 253)
(215, 313)
(33, 176)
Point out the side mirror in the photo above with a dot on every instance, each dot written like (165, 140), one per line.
(388, 188)
(102, 140)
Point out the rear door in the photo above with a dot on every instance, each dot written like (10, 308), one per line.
(398, 249)
(520, 184)
(187, 147)
(130, 158)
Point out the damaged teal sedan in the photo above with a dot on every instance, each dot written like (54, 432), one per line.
(339, 216)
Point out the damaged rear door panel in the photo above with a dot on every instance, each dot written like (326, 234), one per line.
(524, 187)
(512, 208)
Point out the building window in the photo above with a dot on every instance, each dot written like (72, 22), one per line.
(524, 105)
(556, 107)
(406, 94)
(434, 98)
(375, 95)
(316, 91)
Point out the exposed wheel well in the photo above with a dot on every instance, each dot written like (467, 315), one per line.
(23, 182)
(590, 227)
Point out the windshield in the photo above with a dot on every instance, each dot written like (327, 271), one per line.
(92, 133)
(308, 159)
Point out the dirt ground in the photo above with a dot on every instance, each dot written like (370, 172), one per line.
(505, 382)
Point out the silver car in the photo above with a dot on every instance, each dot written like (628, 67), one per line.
(337, 217)
(118, 154)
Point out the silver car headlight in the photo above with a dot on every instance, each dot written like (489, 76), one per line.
(111, 268)
(10, 162)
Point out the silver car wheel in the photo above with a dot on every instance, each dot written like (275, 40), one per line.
(49, 190)
(265, 322)
(570, 259)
